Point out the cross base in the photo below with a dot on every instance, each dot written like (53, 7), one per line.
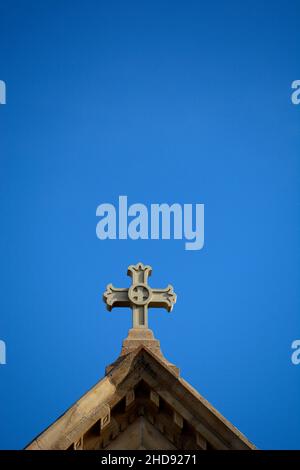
(138, 336)
(142, 337)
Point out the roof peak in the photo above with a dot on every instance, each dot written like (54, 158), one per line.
(137, 339)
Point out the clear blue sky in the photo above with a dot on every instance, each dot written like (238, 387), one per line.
(182, 101)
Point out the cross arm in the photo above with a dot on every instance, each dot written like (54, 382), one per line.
(163, 298)
(115, 297)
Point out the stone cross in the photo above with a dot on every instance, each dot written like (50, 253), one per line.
(139, 296)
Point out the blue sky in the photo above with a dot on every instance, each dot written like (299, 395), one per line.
(184, 102)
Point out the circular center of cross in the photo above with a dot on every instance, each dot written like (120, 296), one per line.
(139, 294)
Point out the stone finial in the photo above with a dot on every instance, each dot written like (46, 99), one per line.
(139, 296)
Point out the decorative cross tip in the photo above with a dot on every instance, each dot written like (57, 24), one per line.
(139, 296)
